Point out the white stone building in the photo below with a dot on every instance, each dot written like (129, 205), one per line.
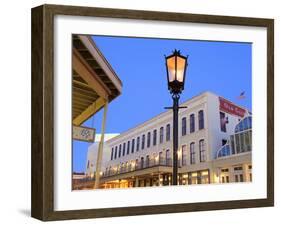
(142, 156)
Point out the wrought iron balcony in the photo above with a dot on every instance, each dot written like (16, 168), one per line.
(148, 163)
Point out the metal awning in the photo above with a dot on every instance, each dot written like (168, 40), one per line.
(94, 81)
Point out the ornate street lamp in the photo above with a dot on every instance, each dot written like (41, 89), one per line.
(176, 65)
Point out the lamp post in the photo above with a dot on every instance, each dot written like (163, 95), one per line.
(176, 65)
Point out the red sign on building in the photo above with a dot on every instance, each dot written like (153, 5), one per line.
(230, 108)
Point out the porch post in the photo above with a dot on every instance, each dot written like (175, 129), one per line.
(100, 149)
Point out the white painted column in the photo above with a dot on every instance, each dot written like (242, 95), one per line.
(100, 150)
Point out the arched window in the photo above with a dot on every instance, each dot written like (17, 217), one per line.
(143, 141)
(201, 119)
(244, 124)
(148, 139)
(202, 151)
(192, 153)
(133, 145)
(161, 135)
(120, 150)
(138, 143)
(183, 126)
(128, 147)
(192, 123)
(168, 158)
(168, 133)
(224, 151)
(124, 148)
(115, 154)
(112, 151)
(154, 137)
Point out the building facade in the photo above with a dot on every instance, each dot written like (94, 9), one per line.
(142, 156)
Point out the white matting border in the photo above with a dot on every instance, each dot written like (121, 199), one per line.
(65, 199)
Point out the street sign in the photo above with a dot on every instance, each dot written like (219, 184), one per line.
(83, 133)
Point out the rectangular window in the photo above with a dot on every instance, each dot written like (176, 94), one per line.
(115, 154)
(142, 141)
(227, 179)
(238, 168)
(183, 126)
(202, 151)
(168, 158)
(184, 155)
(247, 141)
(112, 151)
(128, 147)
(201, 119)
(232, 144)
(241, 178)
(124, 148)
(120, 150)
(138, 143)
(192, 153)
(237, 139)
(154, 137)
(223, 121)
(236, 178)
(192, 123)
(168, 132)
(242, 146)
(161, 135)
(148, 139)
(147, 161)
(133, 145)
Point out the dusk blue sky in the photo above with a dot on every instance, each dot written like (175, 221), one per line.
(224, 68)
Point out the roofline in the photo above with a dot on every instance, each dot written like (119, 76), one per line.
(204, 93)
(154, 117)
(104, 64)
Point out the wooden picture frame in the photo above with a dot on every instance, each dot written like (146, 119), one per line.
(42, 203)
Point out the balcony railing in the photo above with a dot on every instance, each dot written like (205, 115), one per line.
(148, 163)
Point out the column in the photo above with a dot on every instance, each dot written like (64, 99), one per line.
(137, 182)
(100, 149)
(245, 173)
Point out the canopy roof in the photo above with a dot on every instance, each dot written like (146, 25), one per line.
(94, 81)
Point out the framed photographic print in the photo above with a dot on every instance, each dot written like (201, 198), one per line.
(141, 112)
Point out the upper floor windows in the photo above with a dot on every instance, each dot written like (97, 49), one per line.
(128, 147)
(112, 152)
(223, 121)
(133, 146)
(161, 135)
(192, 123)
(201, 119)
(184, 155)
(143, 141)
(154, 137)
(138, 143)
(192, 153)
(148, 139)
(168, 132)
(124, 148)
(115, 153)
(120, 149)
(183, 126)
(202, 151)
